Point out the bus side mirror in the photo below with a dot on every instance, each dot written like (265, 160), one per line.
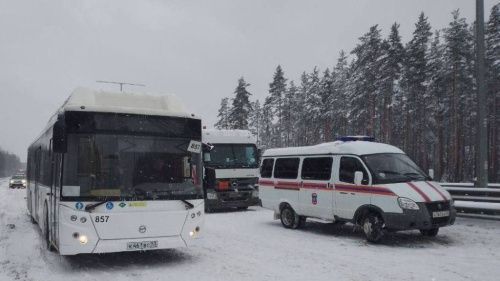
(59, 144)
(358, 177)
(431, 173)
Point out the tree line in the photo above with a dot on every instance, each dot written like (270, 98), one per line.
(419, 96)
(9, 163)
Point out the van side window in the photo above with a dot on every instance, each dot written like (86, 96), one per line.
(266, 171)
(286, 168)
(319, 168)
(348, 166)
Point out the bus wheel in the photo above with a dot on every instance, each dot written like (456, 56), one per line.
(430, 232)
(32, 220)
(289, 218)
(46, 231)
(372, 227)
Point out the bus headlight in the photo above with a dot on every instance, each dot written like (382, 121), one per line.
(255, 193)
(194, 232)
(83, 239)
(408, 204)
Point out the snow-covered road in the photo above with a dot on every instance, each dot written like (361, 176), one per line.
(251, 246)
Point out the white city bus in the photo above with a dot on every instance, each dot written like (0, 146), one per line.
(116, 172)
(231, 169)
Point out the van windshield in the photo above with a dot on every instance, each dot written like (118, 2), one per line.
(393, 168)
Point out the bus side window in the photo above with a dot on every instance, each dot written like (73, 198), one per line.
(286, 168)
(348, 166)
(266, 171)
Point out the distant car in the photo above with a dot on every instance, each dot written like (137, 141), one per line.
(17, 181)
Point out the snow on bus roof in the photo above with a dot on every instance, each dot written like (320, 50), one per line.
(83, 99)
(337, 147)
(228, 136)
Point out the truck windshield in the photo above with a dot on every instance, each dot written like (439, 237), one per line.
(393, 168)
(233, 156)
(115, 166)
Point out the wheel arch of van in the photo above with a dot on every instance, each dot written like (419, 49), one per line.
(363, 210)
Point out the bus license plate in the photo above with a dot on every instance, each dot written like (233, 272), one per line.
(440, 214)
(143, 245)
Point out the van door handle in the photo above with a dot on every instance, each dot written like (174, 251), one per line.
(343, 192)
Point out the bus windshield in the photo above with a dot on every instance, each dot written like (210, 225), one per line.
(233, 156)
(118, 166)
(393, 168)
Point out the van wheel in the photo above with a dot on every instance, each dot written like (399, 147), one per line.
(46, 230)
(430, 232)
(289, 218)
(372, 227)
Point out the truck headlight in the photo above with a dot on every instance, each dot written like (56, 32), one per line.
(408, 204)
(452, 203)
(255, 193)
(11, 181)
(211, 195)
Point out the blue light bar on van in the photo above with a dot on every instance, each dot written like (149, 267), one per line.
(356, 138)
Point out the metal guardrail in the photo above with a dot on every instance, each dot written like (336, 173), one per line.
(475, 200)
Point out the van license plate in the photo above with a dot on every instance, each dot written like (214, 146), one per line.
(143, 245)
(440, 214)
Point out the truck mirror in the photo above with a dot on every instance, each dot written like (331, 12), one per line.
(358, 177)
(59, 144)
(431, 173)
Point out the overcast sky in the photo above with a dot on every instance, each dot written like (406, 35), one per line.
(194, 49)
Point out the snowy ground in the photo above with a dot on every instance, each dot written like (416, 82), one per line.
(251, 246)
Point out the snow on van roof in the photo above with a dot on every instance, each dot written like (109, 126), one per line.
(228, 136)
(83, 99)
(337, 147)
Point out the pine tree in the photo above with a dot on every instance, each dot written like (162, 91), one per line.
(254, 122)
(289, 114)
(223, 115)
(437, 106)
(339, 110)
(238, 117)
(492, 59)
(460, 92)
(415, 76)
(277, 90)
(326, 96)
(364, 89)
(390, 69)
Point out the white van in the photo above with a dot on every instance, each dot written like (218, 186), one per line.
(374, 185)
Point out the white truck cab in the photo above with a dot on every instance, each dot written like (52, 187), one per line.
(231, 169)
(357, 180)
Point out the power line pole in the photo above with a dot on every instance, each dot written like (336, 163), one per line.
(482, 142)
(121, 84)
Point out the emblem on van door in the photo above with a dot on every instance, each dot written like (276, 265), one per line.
(142, 228)
(314, 198)
(234, 184)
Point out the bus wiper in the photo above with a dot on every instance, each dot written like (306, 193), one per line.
(188, 205)
(91, 207)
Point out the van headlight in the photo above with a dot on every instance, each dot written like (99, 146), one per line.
(408, 204)
(452, 203)
(23, 181)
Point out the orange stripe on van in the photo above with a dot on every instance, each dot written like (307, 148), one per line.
(437, 190)
(378, 190)
(426, 198)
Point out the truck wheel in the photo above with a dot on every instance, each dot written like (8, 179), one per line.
(430, 232)
(372, 227)
(289, 218)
